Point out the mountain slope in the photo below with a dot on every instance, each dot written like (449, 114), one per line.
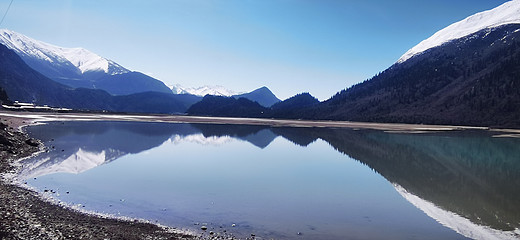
(78, 60)
(507, 13)
(473, 80)
(299, 104)
(298, 101)
(263, 96)
(78, 67)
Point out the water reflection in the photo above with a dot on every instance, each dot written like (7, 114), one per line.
(472, 175)
(467, 181)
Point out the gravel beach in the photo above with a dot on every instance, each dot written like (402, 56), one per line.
(25, 215)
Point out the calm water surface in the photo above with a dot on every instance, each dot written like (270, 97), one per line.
(285, 183)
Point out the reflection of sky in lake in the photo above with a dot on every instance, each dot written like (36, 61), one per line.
(265, 184)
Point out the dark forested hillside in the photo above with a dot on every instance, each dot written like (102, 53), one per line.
(297, 105)
(474, 80)
(242, 107)
(226, 106)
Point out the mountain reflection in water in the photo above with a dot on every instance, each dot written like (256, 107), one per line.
(468, 181)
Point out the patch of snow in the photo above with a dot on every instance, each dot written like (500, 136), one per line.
(507, 13)
(454, 221)
(204, 90)
(82, 59)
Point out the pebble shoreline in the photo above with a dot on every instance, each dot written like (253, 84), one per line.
(25, 215)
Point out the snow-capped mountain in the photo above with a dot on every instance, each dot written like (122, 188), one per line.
(465, 74)
(78, 67)
(507, 13)
(79, 58)
(204, 90)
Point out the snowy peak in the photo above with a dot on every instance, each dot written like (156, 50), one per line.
(204, 90)
(79, 58)
(507, 13)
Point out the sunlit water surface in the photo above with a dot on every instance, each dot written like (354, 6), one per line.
(285, 183)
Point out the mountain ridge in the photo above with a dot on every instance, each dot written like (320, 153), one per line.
(507, 13)
(262, 95)
(78, 67)
(469, 81)
(80, 58)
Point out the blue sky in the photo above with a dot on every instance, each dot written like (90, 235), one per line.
(290, 46)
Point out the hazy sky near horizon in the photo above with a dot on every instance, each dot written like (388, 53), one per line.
(290, 46)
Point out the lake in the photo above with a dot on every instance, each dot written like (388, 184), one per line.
(285, 183)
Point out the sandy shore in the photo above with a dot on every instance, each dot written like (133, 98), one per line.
(25, 118)
(25, 215)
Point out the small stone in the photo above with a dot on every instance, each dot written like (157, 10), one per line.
(233, 225)
(32, 142)
(204, 228)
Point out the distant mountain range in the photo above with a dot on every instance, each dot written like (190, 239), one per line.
(465, 74)
(238, 106)
(24, 84)
(79, 79)
(203, 91)
(78, 67)
(262, 95)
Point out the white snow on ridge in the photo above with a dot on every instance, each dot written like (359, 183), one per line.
(81, 58)
(204, 90)
(507, 13)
